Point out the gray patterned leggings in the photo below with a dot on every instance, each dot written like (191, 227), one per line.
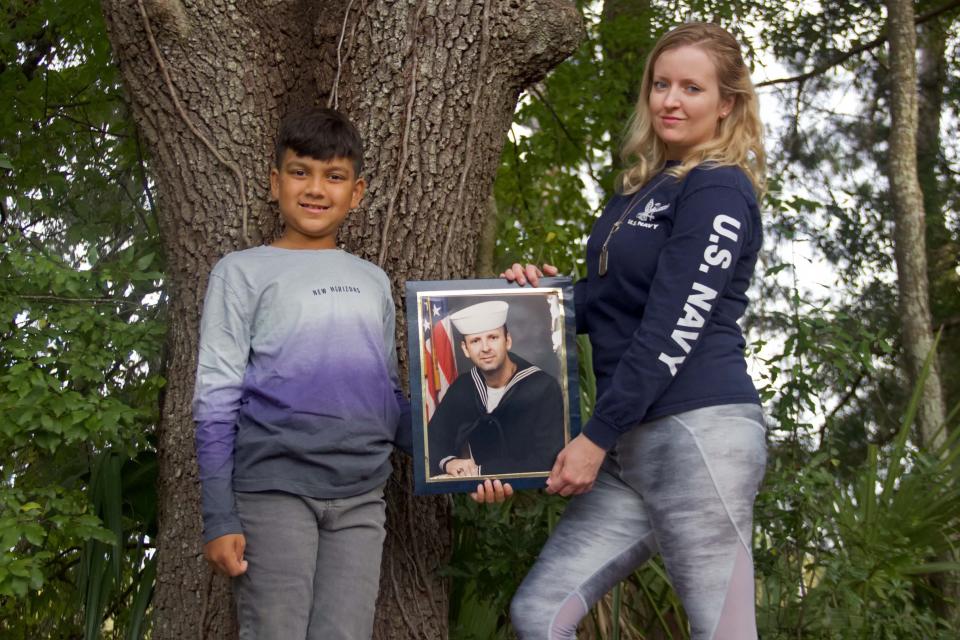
(683, 486)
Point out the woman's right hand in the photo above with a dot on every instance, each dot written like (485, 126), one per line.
(529, 273)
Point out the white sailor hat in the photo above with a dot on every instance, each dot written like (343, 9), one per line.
(480, 317)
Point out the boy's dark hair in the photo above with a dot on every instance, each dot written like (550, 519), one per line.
(322, 134)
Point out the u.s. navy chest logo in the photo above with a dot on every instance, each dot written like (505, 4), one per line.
(645, 218)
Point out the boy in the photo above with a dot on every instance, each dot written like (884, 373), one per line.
(298, 403)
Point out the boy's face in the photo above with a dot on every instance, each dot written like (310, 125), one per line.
(314, 197)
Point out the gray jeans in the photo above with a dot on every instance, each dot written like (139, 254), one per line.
(314, 566)
(683, 486)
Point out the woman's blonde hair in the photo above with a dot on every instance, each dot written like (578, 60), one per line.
(739, 139)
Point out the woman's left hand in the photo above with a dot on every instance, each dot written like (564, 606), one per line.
(576, 467)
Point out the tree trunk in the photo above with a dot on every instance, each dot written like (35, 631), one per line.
(942, 249)
(908, 140)
(432, 86)
(909, 243)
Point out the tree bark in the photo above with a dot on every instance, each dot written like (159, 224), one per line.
(909, 220)
(911, 140)
(432, 86)
(942, 248)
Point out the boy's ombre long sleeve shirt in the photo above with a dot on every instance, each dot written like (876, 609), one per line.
(297, 387)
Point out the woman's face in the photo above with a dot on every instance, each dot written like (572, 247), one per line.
(685, 101)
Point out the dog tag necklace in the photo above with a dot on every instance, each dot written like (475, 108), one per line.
(629, 209)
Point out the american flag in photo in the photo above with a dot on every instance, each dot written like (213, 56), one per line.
(439, 361)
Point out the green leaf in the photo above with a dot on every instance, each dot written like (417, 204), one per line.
(145, 261)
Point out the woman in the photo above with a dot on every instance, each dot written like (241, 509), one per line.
(673, 455)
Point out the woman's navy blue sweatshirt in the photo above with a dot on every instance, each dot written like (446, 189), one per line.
(663, 320)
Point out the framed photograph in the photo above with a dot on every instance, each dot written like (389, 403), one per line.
(493, 381)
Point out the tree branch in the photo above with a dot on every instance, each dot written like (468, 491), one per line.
(546, 103)
(334, 99)
(54, 298)
(876, 42)
(141, 162)
(40, 46)
(949, 323)
(847, 397)
(90, 127)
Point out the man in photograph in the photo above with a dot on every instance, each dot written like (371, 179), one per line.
(504, 415)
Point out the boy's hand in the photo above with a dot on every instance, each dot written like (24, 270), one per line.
(530, 273)
(225, 554)
(492, 491)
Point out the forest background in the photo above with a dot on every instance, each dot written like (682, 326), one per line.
(857, 522)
